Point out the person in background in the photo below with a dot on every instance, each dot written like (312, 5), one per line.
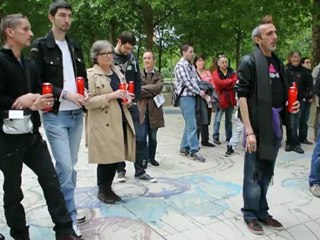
(20, 139)
(151, 116)
(314, 176)
(59, 61)
(315, 72)
(129, 66)
(295, 72)
(306, 62)
(187, 83)
(109, 127)
(236, 134)
(224, 80)
(206, 76)
(306, 103)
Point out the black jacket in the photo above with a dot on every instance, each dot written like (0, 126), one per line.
(48, 58)
(16, 80)
(260, 111)
(130, 68)
(303, 79)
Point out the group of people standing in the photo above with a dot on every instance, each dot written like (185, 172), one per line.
(118, 124)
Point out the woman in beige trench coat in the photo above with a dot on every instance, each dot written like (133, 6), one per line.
(109, 127)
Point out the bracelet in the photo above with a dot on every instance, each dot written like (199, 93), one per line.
(248, 134)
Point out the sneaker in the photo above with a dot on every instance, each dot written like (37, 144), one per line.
(197, 157)
(81, 218)
(208, 144)
(298, 149)
(147, 178)
(306, 141)
(76, 230)
(315, 190)
(122, 177)
(184, 152)
(216, 141)
(272, 223)
(254, 226)
(229, 150)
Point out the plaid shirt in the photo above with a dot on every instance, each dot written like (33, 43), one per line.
(186, 75)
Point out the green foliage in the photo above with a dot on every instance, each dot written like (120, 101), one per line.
(213, 26)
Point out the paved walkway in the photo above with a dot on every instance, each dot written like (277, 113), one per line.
(190, 201)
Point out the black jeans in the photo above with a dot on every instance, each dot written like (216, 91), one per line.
(138, 164)
(204, 129)
(304, 118)
(292, 129)
(105, 174)
(150, 138)
(31, 150)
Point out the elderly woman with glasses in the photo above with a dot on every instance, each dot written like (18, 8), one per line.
(110, 134)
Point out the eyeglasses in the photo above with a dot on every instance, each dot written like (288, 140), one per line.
(106, 53)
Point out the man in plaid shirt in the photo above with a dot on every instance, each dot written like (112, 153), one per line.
(187, 84)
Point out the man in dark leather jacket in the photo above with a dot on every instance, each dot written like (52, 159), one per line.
(59, 62)
(262, 93)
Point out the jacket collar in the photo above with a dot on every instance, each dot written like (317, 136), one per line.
(98, 70)
(51, 42)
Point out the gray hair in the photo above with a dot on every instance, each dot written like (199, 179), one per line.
(96, 48)
(256, 32)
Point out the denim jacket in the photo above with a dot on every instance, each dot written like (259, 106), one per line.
(48, 58)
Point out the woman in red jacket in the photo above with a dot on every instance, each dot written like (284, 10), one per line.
(224, 79)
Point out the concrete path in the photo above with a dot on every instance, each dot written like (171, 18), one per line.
(191, 200)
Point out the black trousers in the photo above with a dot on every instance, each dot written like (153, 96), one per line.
(105, 174)
(140, 144)
(31, 150)
(204, 128)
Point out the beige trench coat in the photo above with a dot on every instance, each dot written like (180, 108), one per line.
(104, 130)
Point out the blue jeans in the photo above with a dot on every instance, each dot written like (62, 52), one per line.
(150, 139)
(228, 123)
(189, 138)
(314, 177)
(304, 117)
(64, 132)
(254, 191)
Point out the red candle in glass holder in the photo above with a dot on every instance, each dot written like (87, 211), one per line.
(47, 88)
(80, 85)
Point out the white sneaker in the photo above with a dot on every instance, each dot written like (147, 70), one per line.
(81, 218)
(315, 190)
(76, 230)
(122, 177)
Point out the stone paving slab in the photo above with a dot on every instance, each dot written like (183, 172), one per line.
(191, 200)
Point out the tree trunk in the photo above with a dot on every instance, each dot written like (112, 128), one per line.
(148, 24)
(316, 32)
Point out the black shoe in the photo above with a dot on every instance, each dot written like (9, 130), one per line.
(306, 141)
(216, 141)
(208, 144)
(288, 148)
(298, 149)
(154, 163)
(1, 237)
(106, 195)
(229, 150)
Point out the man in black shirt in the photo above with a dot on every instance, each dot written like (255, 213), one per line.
(20, 139)
(262, 92)
(130, 68)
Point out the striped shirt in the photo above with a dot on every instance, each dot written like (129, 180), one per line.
(186, 75)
